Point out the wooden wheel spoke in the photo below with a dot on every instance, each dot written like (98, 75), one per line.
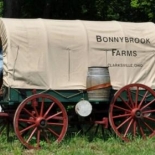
(149, 118)
(139, 106)
(57, 124)
(120, 108)
(48, 110)
(32, 133)
(123, 123)
(53, 132)
(38, 138)
(137, 95)
(28, 112)
(46, 136)
(148, 104)
(55, 116)
(128, 127)
(141, 129)
(26, 120)
(124, 102)
(148, 126)
(120, 116)
(27, 128)
(42, 107)
(134, 128)
(130, 97)
(36, 111)
(148, 111)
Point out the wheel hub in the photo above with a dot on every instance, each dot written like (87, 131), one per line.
(41, 122)
(136, 113)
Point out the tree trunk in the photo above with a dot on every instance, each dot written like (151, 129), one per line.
(11, 9)
(47, 8)
(7, 8)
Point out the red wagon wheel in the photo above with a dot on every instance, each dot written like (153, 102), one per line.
(40, 119)
(132, 112)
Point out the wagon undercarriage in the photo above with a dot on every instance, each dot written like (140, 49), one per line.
(42, 118)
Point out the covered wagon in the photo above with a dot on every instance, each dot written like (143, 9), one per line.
(102, 69)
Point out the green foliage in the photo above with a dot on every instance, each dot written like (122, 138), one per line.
(31, 8)
(1, 8)
(134, 4)
(145, 8)
(124, 10)
(79, 145)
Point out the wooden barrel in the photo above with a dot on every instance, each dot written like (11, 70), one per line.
(98, 84)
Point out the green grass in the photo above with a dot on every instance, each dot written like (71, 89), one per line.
(77, 144)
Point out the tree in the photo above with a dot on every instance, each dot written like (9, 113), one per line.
(1, 8)
(11, 8)
(144, 10)
(124, 10)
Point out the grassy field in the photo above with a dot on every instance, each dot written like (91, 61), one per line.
(76, 144)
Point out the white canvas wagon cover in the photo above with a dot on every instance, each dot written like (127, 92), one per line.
(56, 54)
